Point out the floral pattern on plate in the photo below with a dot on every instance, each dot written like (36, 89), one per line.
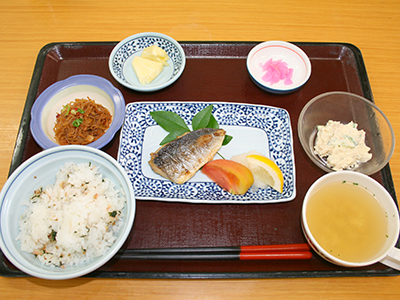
(121, 57)
(253, 127)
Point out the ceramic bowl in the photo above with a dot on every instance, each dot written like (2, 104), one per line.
(345, 107)
(278, 53)
(388, 254)
(51, 101)
(40, 171)
(120, 61)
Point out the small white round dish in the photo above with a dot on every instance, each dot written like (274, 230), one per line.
(120, 61)
(278, 52)
(39, 171)
(51, 101)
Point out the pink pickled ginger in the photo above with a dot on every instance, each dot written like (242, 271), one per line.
(276, 71)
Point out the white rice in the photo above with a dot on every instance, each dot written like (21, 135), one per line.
(72, 221)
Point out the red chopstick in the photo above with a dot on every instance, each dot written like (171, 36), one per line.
(262, 252)
(274, 248)
(274, 252)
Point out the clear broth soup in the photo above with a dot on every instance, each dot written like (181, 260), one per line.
(347, 221)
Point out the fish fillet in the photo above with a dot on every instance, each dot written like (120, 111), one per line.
(180, 159)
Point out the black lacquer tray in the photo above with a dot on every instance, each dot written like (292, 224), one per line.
(215, 71)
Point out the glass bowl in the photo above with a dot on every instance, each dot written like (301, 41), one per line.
(346, 107)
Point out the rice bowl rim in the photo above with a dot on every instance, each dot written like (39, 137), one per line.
(10, 207)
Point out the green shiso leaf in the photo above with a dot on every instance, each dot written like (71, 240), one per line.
(172, 136)
(202, 118)
(227, 139)
(176, 126)
(213, 123)
(169, 121)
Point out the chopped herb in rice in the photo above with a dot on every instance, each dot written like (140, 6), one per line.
(74, 220)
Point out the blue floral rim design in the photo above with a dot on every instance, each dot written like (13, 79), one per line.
(263, 128)
(123, 52)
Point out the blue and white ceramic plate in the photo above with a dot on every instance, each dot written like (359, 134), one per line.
(253, 127)
(120, 61)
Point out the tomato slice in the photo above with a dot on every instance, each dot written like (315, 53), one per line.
(229, 175)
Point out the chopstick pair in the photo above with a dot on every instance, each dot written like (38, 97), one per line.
(263, 252)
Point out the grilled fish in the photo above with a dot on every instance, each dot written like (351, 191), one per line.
(180, 159)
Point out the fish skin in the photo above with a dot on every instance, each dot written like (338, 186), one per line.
(180, 159)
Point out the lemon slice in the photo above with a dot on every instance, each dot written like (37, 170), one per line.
(265, 172)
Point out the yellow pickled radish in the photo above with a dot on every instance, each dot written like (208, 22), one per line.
(155, 53)
(146, 70)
